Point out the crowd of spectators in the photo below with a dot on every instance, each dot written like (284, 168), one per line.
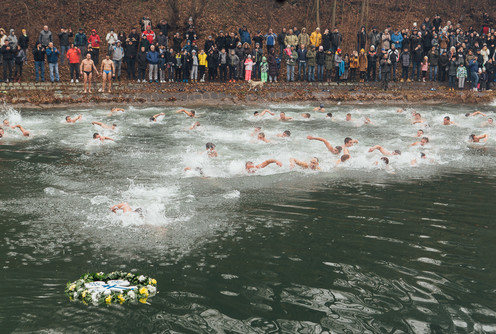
(432, 50)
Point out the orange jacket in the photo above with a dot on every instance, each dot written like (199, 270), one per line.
(74, 55)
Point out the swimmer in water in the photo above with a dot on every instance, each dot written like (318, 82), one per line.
(333, 150)
(154, 117)
(105, 126)
(321, 108)
(261, 136)
(329, 115)
(348, 142)
(475, 139)
(422, 142)
(282, 117)
(125, 208)
(285, 134)
(344, 158)
(114, 110)
(251, 168)
(448, 121)
(7, 123)
(2, 132)
(197, 169)
(417, 118)
(367, 121)
(313, 164)
(256, 131)
(191, 113)
(68, 119)
(420, 133)
(400, 110)
(385, 162)
(194, 126)
(348, 117)
(384, 151)
(25, 132)
(211, 152)
(489, 122)
(96, 135)
(475, 114)
(266, 111)
(422, 156)
(305, 115)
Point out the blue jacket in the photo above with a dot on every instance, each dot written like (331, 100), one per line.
(473, 65)
(152, 57)
(397, 39)
(271, 39)
(52, 56)
(244, 36)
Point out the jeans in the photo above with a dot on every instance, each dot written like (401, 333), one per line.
(7, 67)
(290, 72)
(153, 72)
(54, 71)
(404, 73)
(433, 68)
(475, 79)
(320, 73)
(461, 82)
(131, 71)
(371, 72)
(39, 68)
(385, 79)
(117, 65)
(141, 73)
(452, 81)
(18, 71)
(416, 66)
(74, 67)
(302, 65)
(232, 72)
(393, 68)
(311, 73)
(223, 72)
(63, 52)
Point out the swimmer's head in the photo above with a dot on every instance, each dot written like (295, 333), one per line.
(348, 116)
(5, 122)
(314, 163)
(345, 157)
(249, 165)
(153, 119)
(424, 140)
(386, 160)
(329, 114)
(96, 135)
(210, 146)
(114, 126)
(261, 136)
(347, 141)
(420, 132)
(396, 152)
(471, 137)
(417, 115)
(321, 106)
(282, 114)
(339, 148)
(67, 118)
(467, 114)
(305, 115)
(256, 113)
(422, 155)
(193, 112)
(140, 212)
(446, 120)
(286, 133)
(490, 120)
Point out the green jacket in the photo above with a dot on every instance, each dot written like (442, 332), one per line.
(311, 54)
(329, 61)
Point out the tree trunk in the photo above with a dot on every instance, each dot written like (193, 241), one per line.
(333, 18)
(362, 12)
(318, 12)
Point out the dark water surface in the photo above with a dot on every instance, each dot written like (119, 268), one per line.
(341, 251)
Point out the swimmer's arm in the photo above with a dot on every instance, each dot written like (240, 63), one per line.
(267, 111)
(184, 111)
(268, 162)
(415, 144)
(484, 137)
(106, 138)
(326, 143)
(193, 127)
(97, 123)
(24, 131)
(161, 114)
(294, 161)
(77, 118)
(121, 206)
(380, 148)
(478, 113)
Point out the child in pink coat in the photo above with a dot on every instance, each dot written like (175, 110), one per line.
(248, 68)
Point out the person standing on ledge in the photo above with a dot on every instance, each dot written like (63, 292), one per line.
(87, 67)
(108, 70)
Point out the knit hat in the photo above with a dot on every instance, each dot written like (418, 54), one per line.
(264, 59)
(362, 50)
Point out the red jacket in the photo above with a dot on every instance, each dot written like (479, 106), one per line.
(94, 40)
(74, 55)
(149, 35)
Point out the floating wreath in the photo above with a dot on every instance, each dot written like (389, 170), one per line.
(116, 287)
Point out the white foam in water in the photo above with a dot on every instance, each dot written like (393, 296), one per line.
(231, 194)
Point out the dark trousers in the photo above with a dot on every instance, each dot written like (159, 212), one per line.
(74, 67)
(178, 73)
(223, 72)
(96, 55)
(212, 72)
(232, 72)
(371, 72)
(352, 74)
(7, 67)
(201, 69)
(416, 68)
(385, 79)
(404, 73)
(141, 73)
(18, 71)
(256, 71)
(131, 70)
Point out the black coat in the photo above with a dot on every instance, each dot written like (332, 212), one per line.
(24, 41)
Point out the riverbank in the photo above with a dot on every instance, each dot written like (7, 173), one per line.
(48, 95)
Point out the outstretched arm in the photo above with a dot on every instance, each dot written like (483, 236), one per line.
(184, 111)
(326, 143)
(380, 149)
(122, 206)
(267, 111)
(25, 133)
(293, 161)
(415, 144)
(97, 123)
(477, 113)
(102, 138)
(268, 162)
(484, 137)
(161, 114)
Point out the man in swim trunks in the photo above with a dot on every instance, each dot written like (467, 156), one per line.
(96, 135)
(105, 126)
(384, 151)
(191, 113)
(282, 117)
(154, 117)
(313, 164)
(333, 150)
(251, 168)
(68, 119)
(108, 69)
(475, 139)
(87, 67)
(422, 142)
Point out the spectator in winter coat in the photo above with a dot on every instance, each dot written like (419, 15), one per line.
(12, 38)
(270, 40)
(397, 39)
(64, 36)
(311, 63)
(74, 58)
(24, 40)
(142, 64)
(405, 64)
(233, 66)
(433, 56)
(291, 39)
(256, 56)
(304, 38)
(280, 40)
(452, 69)
(45, 37)
(273, 70)
(326, 40)
(371, 64)
(362, 64)
(336, 39)
(354, 65)
(53, 61)
(393, 55)
(20, 59)
(417, 56)
(259, 39)
(149, 35)
(94, 40)
(361, 38)
(130, 53)
(338, 59)
(290, 56)
(316, 38)
(220, 41)
(152, 58)
(81, 42)
(302, 62)
(329, 64)
(320, 60)
(117, 56)
(39, 61)
(386, 42)
(8, 55)
(461, 74)
(111, 39)
(375, 38)
(244, 35)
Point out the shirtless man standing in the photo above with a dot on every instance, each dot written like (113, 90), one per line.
(108, 70)
(87, 67)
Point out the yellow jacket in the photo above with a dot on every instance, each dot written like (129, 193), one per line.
(316, 39)
(202, 60)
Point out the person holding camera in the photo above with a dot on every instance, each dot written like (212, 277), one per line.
(39, 61)
(74, 58)
(385, 70)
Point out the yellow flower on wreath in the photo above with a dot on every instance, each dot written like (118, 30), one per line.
(121, 299)
(154, 281)
(72, 287)
(143, 291)
(108, 300)
(84, 293)
(142, 300)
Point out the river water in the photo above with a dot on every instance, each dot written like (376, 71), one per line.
(353, 248)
